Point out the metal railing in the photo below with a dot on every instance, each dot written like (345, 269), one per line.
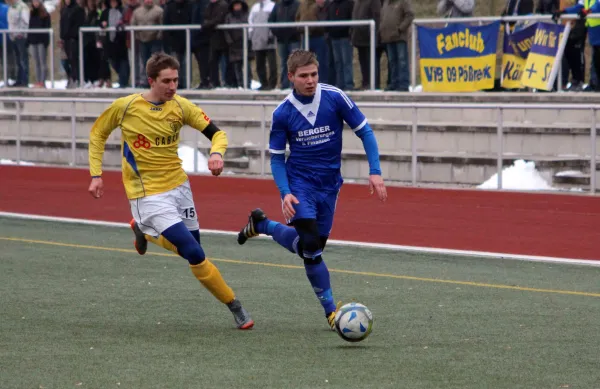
(4, 33)
(499, 108)
(479, 20)
(188, 28)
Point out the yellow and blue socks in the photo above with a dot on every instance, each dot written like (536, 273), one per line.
(188, 246)
(210, 277)
(162, 242)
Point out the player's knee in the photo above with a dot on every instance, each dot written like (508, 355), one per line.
(192, 252)
(310, 247)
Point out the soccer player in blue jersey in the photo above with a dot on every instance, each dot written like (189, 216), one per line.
(311, 120)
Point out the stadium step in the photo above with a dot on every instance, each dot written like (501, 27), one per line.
(556, 139)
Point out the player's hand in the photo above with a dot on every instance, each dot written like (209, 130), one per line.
(288, 206)
(96, 188)
(215, 164)
(376, 185)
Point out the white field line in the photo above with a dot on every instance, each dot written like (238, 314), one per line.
(347, 243)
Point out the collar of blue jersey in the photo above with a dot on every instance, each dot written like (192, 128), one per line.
(303, 99)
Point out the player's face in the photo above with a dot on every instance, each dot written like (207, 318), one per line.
(165, 85)
(305, 80)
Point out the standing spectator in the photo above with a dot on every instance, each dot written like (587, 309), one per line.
(263, 44)
(178, 12)
(309, 11)
(10, 60)
(115, 42)
(583, 8)
(18, 19)
(103, 64)
(215, 15)
(140, 69)
(201, 43)
(288, 38)
(238, 14)
(517, 8)
(456, 8)
(38, 43)
(396, 18)
(366, 10)
(91, 52)
(149, 41)
(574, 57)
(343, 53)
(72, 17)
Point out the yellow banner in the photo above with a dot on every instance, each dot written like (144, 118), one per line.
(512, 70)
(545, 55)
(537, 71)
(458, 74)
(458, 57)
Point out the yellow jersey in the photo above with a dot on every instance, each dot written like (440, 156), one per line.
(149, 141)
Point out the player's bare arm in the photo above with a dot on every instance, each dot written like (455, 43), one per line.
(100, 132)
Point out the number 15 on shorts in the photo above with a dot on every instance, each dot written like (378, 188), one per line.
(189, 213)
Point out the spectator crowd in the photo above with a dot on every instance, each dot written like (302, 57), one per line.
(219, 52)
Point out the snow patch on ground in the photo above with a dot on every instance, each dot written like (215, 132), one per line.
(522, 175)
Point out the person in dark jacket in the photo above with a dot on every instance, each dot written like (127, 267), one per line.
(201, 43)
(72, 17)
(178, 12)
(38, 43)
(215, 14)
(361, 39)
(341, 10)
(238, 14)
(288, 39)
(396, 18)
(115, 42)
(517, 8)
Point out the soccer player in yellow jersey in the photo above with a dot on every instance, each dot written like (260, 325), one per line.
(157, 187)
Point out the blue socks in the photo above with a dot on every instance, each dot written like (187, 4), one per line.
(284, 235)
(318, 275)
(266, 227)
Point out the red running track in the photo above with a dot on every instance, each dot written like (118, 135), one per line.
(554, 225)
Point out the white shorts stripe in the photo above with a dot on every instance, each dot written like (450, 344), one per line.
(273, 151)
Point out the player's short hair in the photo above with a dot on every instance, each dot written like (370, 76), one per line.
(159, 62)
(300, 58)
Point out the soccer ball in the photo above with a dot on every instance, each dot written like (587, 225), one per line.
(353, 322)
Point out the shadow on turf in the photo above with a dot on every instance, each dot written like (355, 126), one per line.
(351, 346)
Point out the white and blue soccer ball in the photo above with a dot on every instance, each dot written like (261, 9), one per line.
(353, 322)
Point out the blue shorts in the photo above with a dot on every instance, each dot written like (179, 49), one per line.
(316, 204)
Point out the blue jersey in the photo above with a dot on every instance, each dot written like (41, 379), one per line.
(312, 126)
